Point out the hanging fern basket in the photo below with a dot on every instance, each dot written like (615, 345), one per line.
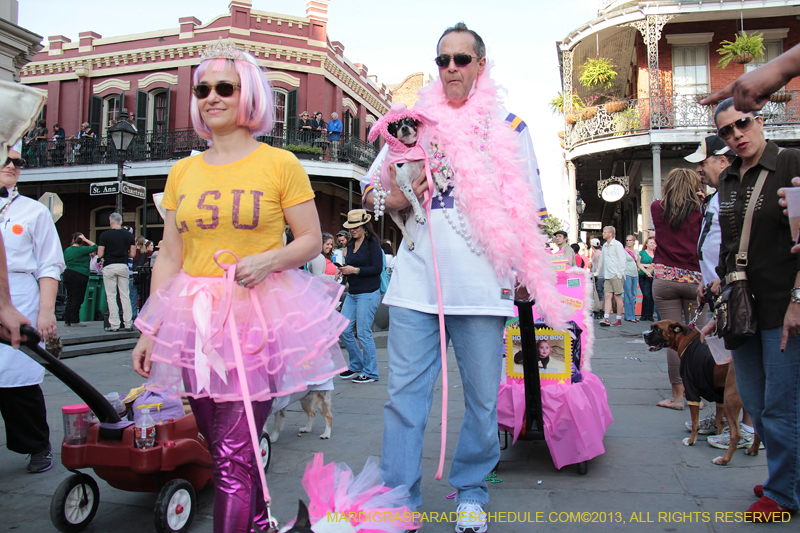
(588, 113)
(743, 58)
(571, 118)
(617, 107)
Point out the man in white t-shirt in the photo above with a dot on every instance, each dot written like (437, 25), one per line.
(475, 299)
(614, 259)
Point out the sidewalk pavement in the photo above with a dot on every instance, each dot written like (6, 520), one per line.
(645, 474)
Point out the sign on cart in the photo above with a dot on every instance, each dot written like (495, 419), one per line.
(104, 187)
(131, 189)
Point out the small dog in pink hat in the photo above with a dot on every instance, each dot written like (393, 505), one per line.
(401, 128)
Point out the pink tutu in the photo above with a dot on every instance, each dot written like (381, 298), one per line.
(362, 504)
(285, 331)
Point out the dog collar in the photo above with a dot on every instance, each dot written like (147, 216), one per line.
(678, 342)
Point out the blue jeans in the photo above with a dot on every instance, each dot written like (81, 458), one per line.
(630, 286)
(360, 309)
(769, 384)
(414, 366)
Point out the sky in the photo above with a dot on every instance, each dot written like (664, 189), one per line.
(392, 39)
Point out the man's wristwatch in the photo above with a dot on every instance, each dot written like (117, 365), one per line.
(795, 292)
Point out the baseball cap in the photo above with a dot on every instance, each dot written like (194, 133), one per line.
(711, 145)
(595, 243)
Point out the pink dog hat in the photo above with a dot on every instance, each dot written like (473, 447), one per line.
(398, 112)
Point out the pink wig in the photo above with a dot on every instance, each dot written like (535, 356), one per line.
(256, 104)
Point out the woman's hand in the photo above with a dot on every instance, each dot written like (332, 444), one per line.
(791, 324)
(348, 270)
(141, 356)
(46, 324)
(708, 329)
(253, 269)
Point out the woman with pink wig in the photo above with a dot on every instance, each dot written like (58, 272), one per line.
(233, 328)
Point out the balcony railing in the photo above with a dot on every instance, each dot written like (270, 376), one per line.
(176, 144)
(678, 112)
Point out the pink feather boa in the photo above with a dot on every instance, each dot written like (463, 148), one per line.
(500, 205)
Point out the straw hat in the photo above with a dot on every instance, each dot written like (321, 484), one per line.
(356, 218)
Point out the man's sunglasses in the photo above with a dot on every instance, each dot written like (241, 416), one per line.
(223, 89)
(461, 60)
(743, 124)
(17, 161)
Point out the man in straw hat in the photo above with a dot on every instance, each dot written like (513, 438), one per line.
(481, 240)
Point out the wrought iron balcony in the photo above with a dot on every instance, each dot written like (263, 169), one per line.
(677, 112)
(176, 144)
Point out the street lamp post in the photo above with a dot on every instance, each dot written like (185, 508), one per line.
(580, 207)
(122, 134)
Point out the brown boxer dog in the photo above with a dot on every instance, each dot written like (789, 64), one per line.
(702, 377)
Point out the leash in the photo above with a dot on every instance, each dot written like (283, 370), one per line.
(696, 316)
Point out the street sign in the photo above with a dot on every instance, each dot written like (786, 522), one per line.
(592, 225)
(104, 187)
(53, 204)
(131, 189)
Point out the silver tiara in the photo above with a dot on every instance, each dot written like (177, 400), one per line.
(222, 50)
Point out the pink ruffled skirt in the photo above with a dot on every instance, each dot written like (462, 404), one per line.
(284, 332)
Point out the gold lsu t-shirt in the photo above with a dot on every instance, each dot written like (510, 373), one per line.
(237, 207)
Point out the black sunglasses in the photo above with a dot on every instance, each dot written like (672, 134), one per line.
(17, 161)
(223, 89)
(743, 124)
(461, 60)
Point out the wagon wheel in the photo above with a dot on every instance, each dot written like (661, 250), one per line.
(74, 503)
(266, 450)
(175, 507)
(583, 467)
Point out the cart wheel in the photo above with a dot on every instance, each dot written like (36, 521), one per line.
(175, 507)
(583, 467)
(74, 503)
(266, 450)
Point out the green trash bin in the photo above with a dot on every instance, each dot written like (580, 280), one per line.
(95, 299)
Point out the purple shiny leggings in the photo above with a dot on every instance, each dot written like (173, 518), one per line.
(238, 499)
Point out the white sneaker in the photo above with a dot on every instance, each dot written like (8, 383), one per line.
(708, 425)
(471, 518)
(723, 441)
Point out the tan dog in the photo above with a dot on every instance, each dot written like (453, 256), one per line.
(720, 384)
(322, 399)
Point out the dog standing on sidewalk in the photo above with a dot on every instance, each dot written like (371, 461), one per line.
(702, 378)
(316, 394)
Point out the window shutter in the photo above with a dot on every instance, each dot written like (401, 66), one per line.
(357, 127)
(141, 111)
(121, 102)
(291, 111)
(166, 111)
(95, 114)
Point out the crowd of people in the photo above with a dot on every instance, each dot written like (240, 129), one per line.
(694, 249)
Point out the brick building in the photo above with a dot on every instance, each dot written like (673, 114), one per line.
(150, 74)
(665, 55)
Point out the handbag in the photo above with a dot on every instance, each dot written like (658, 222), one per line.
(735, 308)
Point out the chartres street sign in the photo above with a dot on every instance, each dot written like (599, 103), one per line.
(104, 187)
(131, 189)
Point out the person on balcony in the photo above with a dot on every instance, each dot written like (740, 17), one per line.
(87, 143)
(334, 134)
(677, 219)
(305, 128)
(60, 143)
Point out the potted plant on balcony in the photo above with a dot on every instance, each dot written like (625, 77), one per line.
(597, 72)
(304, 151)
(557, 103)
(743, 50)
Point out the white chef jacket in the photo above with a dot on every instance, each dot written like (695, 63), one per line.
(33, 251)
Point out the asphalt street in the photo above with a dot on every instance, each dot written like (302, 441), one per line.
(646, 481)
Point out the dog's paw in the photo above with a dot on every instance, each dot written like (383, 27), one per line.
(305, 430)
(420, 219)
(752, 450)
(720, 461)
(325, 435)
(410, 245)
(688, 442)
(273, 438)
